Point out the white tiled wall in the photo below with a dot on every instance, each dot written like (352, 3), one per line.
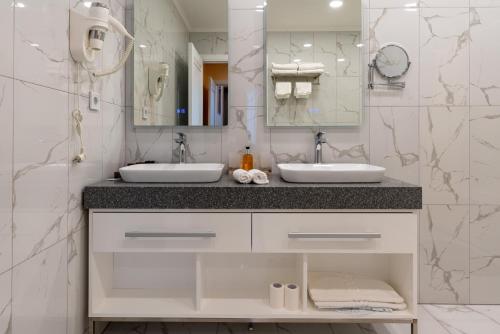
(441, 131)
(42, 226)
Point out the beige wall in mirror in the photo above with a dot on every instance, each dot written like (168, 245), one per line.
(314, 71)
(180, 75)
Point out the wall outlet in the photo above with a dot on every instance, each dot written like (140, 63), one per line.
(145, 113)
(94, 101)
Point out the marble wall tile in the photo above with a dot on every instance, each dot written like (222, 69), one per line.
(348, 50)
(484, 160)
(7, 27)
(485, 3)
(39, 293)
(292, 145)
(210, 42)
(246, 127)
(394, 3)
(444, 154)
(113, 134)
(42, 49)
(484, 254)
(444, 3)
(203, 145)
(394, 144)
(113, 86)
(90, 170)
(465, 319)
(246, 58)
(382, 32)
(40, 176)
(278, 43)
(484, 55)
(5, 302)
(444, 250)
(444, 56)
(77, 282)
(6, 133)
(145, 143)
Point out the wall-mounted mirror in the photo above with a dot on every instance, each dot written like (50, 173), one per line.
(180, 75)
(314, 71)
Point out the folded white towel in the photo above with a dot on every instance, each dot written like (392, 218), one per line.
(303, 90)
(338, 287)
(291, 66)
(242, 176)
(310, 66)
(318, 71)
(283, 90)
(258, 176)
(361, 305)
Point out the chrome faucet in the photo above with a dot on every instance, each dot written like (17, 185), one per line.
(181, 140)
(319, 140)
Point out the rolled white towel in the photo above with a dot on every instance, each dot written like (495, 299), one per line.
(258, 176)
(284, 72)
(242, 176)
(311, 66)
(311, 72)
(291, 66)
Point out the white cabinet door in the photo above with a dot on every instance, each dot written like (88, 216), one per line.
(171, 232)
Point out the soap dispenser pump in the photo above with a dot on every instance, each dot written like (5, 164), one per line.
(247, 159)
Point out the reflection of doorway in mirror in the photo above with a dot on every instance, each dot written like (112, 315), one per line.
(215, 94)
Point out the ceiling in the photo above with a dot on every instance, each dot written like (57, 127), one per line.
(313, 15)
(203, 15)
(282, 15)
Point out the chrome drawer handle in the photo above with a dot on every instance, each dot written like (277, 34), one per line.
(170, 234)
(299, 235)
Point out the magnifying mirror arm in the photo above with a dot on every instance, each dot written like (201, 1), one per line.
(390, 83)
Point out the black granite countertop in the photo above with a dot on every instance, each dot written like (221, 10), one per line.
(278, 194)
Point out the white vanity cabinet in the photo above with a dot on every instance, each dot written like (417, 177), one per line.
(217, 265)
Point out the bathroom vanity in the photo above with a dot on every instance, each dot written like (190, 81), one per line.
(208, 252)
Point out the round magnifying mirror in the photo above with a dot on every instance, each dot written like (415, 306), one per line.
(392, 61)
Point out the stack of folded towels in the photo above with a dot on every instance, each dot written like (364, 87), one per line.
(256, 176)
(339, 291)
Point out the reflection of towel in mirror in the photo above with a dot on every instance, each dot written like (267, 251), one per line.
(284, 72)
(311, 66)
(259, 177)
(283, 90)
(242, 176)
(291, 66)
(311, 72)
(303, 90)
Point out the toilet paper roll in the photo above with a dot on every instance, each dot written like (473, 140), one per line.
(276, 295)
(292, 297)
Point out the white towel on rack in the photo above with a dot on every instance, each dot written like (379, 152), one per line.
(303, 90)
(259, 177)
(311, 66)
(284, 72)
(242, 176)
(283, 90)
(315, 72)
(337, 287)
(291, 66)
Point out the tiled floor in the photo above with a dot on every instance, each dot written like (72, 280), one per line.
(434, 319)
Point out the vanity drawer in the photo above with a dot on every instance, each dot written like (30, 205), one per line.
(171, 232)
(335, 232)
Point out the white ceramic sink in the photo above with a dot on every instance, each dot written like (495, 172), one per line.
(172, 173)
(331, 173)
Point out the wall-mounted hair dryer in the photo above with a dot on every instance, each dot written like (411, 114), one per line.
(88, 31)
(157, 80)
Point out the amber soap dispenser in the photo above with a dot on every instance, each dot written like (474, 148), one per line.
(247, 159)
